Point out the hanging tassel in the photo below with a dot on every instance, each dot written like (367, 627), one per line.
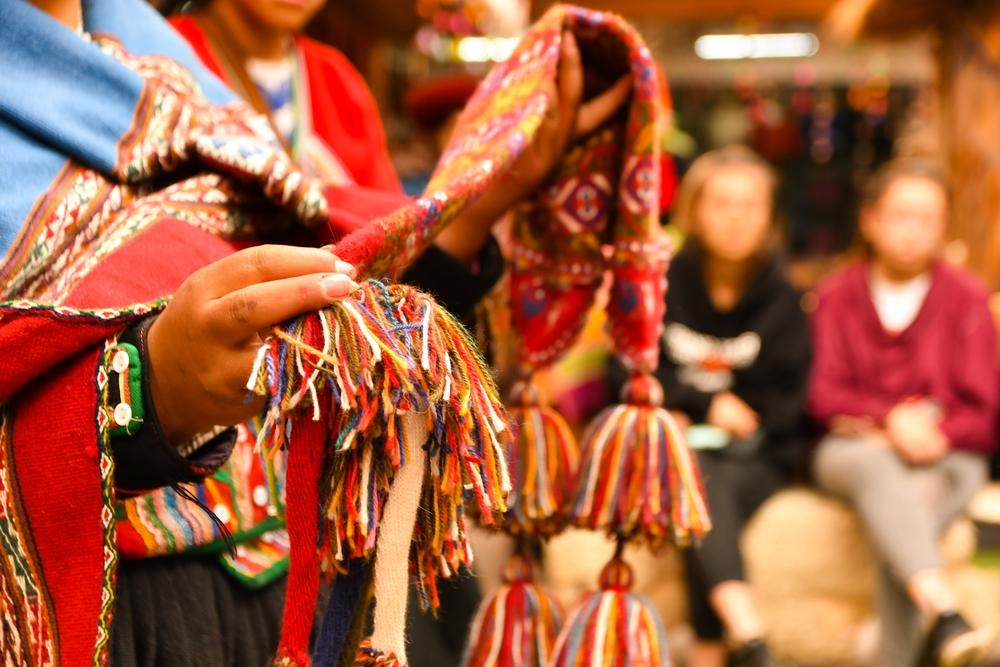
(518, 625)
(349, 376)
(638, 478)
(359, 365)
(613, 627)
(543, 462)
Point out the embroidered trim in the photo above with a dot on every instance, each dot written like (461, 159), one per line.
(65, 312)
(106, 466)
(27, 624)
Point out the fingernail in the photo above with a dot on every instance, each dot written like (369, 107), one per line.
(336, 286)
(341, 265)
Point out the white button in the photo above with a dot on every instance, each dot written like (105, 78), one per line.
(120, 362)
(222, 512)
(260, 496)
(123, 414)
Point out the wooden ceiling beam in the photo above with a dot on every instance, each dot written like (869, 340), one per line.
(706, 10)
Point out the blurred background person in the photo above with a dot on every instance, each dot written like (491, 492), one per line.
(318, 103)
(905, 383)
(734, 366)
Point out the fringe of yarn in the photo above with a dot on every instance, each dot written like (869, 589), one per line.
(543, 462)
(359, 365)
(613, 627)
(370, 657)
(518, 625)
(287, 658)
(638, 479)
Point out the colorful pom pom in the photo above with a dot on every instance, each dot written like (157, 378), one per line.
(638, 479)
(613, 627)
(518, 625)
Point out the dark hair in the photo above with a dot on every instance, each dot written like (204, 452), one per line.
(897, 168)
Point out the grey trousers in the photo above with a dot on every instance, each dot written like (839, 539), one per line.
(904, 510)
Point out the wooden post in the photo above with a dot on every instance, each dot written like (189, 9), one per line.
(969, 80)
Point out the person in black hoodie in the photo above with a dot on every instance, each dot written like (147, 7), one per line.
(734, 366)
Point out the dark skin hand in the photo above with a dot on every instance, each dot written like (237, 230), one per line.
(567, 120)
(203, 344)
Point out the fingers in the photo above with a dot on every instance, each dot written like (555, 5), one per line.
(242, 313)
(266, 263)
(595, 112)
(570, 82)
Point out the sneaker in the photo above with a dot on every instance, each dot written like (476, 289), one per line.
(754, 654)
(952, 642)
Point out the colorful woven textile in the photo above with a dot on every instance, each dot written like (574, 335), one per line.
(125, 180)
(120, 177)
(598, 215)
(594, 223)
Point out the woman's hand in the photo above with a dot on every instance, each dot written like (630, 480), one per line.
(202, 346)
(565, 121)
(912, 429)
(730, 413)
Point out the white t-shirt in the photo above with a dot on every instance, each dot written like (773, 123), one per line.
(898, 303)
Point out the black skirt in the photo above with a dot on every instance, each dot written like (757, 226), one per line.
(183, 611)
(186, 611)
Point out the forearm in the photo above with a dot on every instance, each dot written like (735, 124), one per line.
(827, 408)
(466, 236)
(458, 285)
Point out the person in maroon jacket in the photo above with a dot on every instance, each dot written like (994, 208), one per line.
(905, 382)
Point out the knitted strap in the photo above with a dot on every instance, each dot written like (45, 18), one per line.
(302, 518)
(393, 551)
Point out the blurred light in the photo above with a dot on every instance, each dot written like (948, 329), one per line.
(441, 49)
(425, 39)
(764, 45)
(474, 49)
(484, 49)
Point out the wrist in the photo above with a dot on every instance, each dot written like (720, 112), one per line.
(466, 236)
(175, 430)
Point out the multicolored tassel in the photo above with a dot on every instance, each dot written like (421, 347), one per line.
(543, 464)
(613, 627)
(638, 479)
(359, 366)
(518, 625)
(340, 383)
